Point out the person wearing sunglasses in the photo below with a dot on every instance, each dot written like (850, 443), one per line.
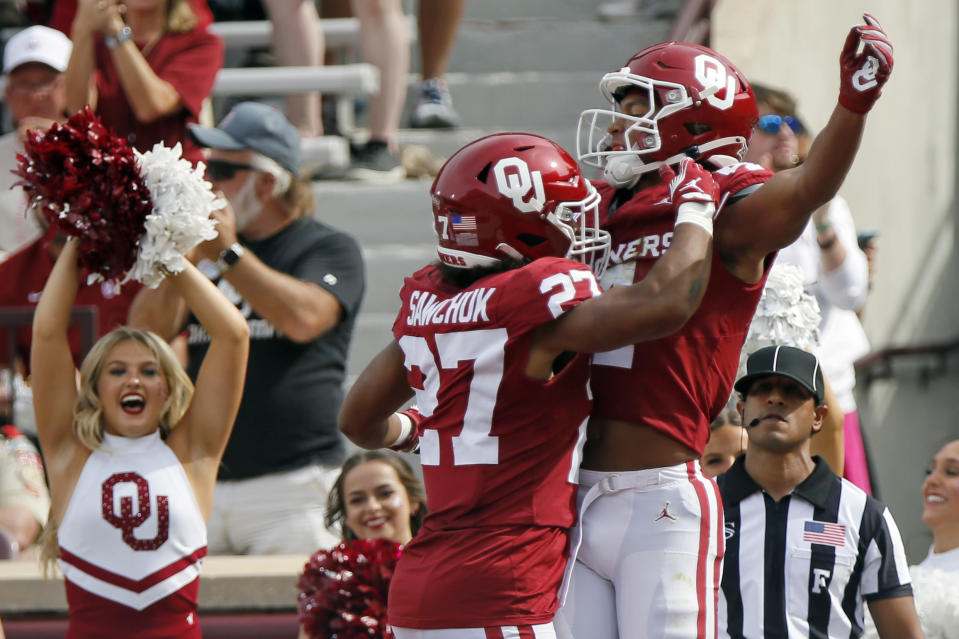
(835, 270)
(299, 283)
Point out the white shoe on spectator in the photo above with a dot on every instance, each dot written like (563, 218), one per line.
(434, 108)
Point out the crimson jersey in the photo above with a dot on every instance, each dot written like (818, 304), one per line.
(679, 383)
(499, 450)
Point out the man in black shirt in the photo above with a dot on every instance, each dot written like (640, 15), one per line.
(804, 548)
(299, 282)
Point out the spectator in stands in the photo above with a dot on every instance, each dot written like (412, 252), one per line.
(64, 11)
(804, 549)
(437, 22)
(24, 499)
(133, 425)
(385, 42)
(298, 41)
(727, 441)
(145, 67)
(376, 496)
(836, 270)
(33, 62)
(299, 283)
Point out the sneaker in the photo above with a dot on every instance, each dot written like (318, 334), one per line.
(373, 162)
(434, 108)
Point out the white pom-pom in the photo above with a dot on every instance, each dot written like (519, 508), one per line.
(786, 315)
(936, 602)
(182, 203)
(934, 594)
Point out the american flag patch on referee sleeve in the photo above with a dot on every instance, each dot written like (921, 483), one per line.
(824, 532)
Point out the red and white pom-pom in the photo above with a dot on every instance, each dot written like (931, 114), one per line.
(343, 591)
(89, 183)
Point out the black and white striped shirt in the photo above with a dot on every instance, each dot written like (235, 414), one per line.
(803, 566)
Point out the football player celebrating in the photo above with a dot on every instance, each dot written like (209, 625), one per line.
(652, 534)
(491, 342)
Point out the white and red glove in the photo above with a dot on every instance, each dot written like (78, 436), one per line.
(693, 192)
(408, 440)
(864, 73)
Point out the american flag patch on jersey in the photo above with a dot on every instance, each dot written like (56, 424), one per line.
(824, 532)
(463, 222)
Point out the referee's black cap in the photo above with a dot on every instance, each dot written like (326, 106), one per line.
(788, 361)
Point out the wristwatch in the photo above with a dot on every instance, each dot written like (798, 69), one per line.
(229, 257)
(122, 36)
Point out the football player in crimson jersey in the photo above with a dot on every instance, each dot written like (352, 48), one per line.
(646, 513)
(490, 342)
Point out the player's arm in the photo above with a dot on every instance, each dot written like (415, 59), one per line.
(775, 214)
(896, 618)
(367, 416)
(661, 302)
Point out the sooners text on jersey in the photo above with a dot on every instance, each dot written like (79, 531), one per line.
(679, 383)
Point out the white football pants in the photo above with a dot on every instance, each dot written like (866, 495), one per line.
(650, 557)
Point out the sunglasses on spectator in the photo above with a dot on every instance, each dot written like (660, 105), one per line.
(772, 123)
(220, 170)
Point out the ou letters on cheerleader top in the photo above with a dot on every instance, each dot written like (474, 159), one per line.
(133, 532)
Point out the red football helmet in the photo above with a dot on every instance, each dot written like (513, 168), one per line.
(516, 195)
(700, 105)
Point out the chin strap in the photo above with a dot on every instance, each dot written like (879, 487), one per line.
(623, 172)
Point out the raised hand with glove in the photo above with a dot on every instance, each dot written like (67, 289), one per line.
(863, 73)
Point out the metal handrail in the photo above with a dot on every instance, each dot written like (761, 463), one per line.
(878, 364)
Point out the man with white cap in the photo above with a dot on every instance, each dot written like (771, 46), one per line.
(805, 549)
(33, 62)
(299, 283)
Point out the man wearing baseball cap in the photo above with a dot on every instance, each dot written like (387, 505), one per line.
(805, 549)
(299, 283)
(35, 93)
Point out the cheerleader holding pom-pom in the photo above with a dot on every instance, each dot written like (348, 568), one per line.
(132, 453)
(379, 505)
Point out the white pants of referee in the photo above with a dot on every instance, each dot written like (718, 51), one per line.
(274, 514)
(650, 557)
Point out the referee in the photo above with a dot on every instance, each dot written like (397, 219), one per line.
(804, 548)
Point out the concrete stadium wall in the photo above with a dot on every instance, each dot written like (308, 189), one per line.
(903, 183)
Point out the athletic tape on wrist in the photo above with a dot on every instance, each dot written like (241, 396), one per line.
(698, 213)
(406, 428)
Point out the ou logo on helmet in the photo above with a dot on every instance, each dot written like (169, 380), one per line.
(711, 73)
(517, 182)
